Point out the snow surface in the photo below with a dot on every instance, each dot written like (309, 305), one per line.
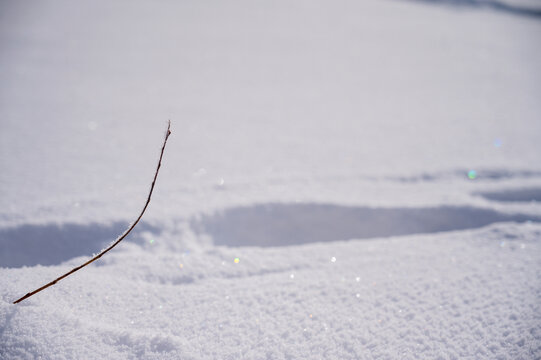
(345, 179)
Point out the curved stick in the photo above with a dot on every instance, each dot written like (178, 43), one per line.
(119, 239)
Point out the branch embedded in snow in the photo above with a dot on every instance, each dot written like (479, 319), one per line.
(119, 239)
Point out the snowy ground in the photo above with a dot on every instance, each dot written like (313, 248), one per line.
(345, 179)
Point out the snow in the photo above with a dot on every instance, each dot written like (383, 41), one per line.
(344, 180)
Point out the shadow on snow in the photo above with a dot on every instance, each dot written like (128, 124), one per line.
(513, 195)
(29, 245)
(262, 225)
(500, 6)
(294, 224)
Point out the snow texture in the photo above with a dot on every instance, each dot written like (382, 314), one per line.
(345, 179)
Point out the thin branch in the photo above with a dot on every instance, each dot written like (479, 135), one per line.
(119, 239)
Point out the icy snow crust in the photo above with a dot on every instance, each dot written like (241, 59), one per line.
(345, 179)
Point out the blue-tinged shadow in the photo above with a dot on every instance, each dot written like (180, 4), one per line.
(293, 224)
(500, 6)
(513, 195)
(29, 245)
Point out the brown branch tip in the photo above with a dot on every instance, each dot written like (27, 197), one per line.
(119, 239)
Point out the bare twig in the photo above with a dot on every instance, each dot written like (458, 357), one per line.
(119, 239)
